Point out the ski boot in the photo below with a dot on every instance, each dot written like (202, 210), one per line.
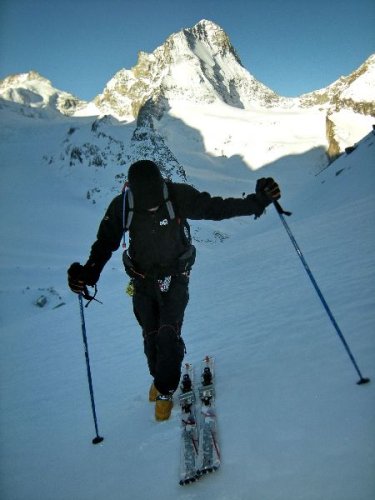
(163, 407)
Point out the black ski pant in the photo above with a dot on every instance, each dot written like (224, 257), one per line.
(160, 315)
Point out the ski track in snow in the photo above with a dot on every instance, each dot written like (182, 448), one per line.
(293, 423)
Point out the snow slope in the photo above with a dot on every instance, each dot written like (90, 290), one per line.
(293, 423)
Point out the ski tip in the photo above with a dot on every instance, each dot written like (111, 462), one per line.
(183, 482)
(208, 470)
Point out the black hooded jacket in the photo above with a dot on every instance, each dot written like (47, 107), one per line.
(156, 241)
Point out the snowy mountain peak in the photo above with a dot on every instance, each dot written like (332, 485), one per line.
(22, 78)
(214, 36)
(197, 64)
(34, 96)
(355, 91)
(207, 26)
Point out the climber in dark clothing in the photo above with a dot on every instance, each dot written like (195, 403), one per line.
(159, 260)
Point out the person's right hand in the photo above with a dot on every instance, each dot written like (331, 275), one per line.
(268, 189)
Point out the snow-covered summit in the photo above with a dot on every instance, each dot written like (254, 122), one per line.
(355, 91)
(361, 86)
(197, 65)
(214, 36)
(33, 95)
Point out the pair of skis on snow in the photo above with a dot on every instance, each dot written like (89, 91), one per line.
(200, 452)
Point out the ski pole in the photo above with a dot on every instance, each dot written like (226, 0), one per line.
(281, 212)
(97, 439)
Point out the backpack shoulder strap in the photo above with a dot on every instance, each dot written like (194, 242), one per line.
(168, 202)
(127, 217)
(131, 208)
(185, 227)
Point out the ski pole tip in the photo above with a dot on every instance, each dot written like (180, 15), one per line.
(363, 381)
(97, 440)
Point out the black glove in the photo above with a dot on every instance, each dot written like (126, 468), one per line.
(80, 276)
(267, 190)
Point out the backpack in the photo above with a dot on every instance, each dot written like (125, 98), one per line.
(186, 260)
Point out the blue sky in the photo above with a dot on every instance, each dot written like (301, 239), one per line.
(292, 46)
